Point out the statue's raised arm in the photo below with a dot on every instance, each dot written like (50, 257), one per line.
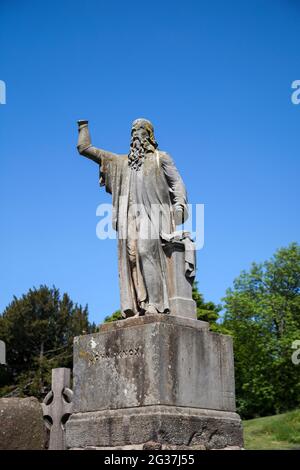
(85, 146)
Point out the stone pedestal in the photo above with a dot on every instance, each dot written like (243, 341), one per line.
(162, 379)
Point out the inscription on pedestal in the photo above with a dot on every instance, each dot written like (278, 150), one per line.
(96, 355)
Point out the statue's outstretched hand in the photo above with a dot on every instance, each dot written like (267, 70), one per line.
(82, 123)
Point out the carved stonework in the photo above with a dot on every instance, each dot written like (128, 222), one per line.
(160, 379)
(149, 200)
(57, 407)
(181, 267)
(179, 390)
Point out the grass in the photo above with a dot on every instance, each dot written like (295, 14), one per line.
(273, 432)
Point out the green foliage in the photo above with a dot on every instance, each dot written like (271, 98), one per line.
(273, 432)
(114, 317)
(38, 330)
(263, 315)
(206, 311)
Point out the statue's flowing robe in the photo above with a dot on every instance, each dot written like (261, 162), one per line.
(145, 203)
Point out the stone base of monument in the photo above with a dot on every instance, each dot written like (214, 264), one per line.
(158, 381)
(162, 426)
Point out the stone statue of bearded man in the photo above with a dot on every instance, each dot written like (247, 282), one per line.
(149, 200)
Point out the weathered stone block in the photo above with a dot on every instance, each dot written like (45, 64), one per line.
(21, 424)
(172, 427)
(155, 360)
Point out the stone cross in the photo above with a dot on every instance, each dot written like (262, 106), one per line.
(57, 407)
(2, 353)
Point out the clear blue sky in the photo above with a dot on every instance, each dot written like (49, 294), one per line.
(215, 79)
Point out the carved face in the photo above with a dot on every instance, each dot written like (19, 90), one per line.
(142, 142)
(142, 131)
(139, 134)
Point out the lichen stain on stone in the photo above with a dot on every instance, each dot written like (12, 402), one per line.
(85, 355)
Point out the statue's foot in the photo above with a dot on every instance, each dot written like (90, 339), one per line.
(151, 310)
(129, 314)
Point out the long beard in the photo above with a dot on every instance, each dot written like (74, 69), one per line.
(138, 152)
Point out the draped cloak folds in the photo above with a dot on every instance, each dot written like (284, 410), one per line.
(146, 203)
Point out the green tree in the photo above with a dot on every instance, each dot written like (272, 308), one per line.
(262, 312)
(114, 317)
(206, 311)
(38, 330)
